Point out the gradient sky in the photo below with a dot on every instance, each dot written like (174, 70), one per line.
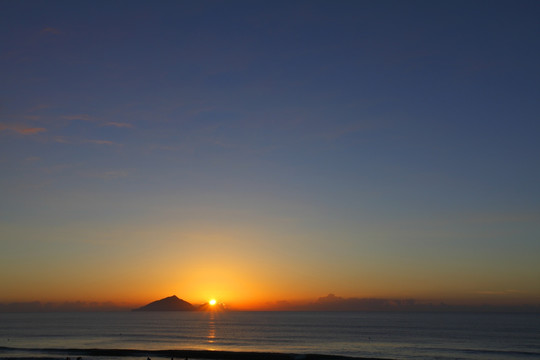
(257, 151)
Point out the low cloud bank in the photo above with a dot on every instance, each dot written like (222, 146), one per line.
(332, 302)
(76, 306)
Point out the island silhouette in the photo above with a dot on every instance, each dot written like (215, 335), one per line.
(171, 303)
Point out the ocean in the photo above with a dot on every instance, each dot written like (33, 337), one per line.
(471, 336)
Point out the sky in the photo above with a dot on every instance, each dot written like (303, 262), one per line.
(263, 152)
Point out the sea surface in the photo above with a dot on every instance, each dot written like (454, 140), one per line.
(471, 336)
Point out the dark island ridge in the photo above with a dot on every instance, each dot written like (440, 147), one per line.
(171, 303)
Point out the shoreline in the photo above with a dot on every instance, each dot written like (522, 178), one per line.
(165, 354)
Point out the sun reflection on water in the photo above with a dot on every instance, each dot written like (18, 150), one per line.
(211, 328)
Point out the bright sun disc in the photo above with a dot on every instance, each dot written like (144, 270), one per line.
(212, 302)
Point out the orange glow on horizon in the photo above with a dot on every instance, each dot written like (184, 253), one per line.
(240, 278)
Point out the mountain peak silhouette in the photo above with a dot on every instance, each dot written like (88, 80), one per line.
(171, 303)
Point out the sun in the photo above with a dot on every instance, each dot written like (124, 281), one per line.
(212, 302)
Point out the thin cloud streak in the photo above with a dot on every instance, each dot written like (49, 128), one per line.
(498, 292)
(99, 142)
(22, 130)
(37, 306)
(118, 125)
(66, 140)
(83, 117)
(109, 175)
(332, 302)
(31, 131)
(61, 140)
(50, 30)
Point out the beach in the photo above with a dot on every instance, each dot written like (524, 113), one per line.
(63, 354)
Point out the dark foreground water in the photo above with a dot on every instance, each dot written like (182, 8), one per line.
(379, 335)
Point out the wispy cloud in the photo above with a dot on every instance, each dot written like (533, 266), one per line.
(340, 131)
(84, 117)
(30, 131)
(503, 217)
(61, 140)
(109, 175)
(32, 117)
(37, 306)
(498, 292)
(332, 302)
(99, 142)
(59, 168)
(39, 107)
(75, 141)
(50, 30)
(118, 124)
(21, 129)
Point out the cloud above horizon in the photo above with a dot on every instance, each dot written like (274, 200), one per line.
(83, 117)
(22, 130)
(75, 141)
(50, 30)
(99, 142)
(118, 124)
(332, 302)
(109, 175)
(38, 306)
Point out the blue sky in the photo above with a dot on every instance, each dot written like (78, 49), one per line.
(391, 140)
